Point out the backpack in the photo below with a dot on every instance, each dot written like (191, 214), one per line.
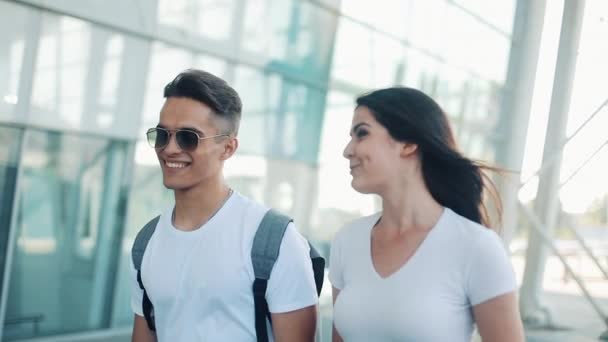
(264, 253)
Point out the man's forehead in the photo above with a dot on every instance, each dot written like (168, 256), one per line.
(179, 120)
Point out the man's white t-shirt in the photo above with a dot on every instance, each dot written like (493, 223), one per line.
(429, 299)
(200, 282)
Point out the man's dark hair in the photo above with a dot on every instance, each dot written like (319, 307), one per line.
(212, 91)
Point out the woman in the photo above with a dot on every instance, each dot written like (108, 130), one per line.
(424, 268)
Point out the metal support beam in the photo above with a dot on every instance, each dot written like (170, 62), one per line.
(547, 200)
(516, 102)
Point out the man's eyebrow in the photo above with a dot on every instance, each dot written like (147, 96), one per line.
(193, 129)
(189, 128)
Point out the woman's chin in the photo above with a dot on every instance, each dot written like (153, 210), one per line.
(360, 187)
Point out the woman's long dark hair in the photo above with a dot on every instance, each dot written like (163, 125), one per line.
(453, 180)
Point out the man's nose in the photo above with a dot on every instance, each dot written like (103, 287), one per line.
(172, 146)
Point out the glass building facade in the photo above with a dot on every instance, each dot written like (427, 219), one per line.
(81, 81)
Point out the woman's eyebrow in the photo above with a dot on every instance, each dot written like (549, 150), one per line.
(357, 126)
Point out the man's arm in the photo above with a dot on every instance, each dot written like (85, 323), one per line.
(141, 332)
(498, 319)
(298, 325)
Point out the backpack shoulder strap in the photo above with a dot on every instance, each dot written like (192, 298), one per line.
(267, 242)
(318, 267)
(264, 253)
(141, 242)
(137, 254)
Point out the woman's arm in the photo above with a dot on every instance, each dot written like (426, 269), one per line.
(498, 319)
(335, 337)
(141, 333)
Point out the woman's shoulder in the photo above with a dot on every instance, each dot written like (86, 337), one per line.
(357, 227)
(465, 225)
(467, 231)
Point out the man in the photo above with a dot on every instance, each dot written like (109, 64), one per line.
(197, 269)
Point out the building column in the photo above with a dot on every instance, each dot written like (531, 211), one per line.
(516, 102)
(547, 199)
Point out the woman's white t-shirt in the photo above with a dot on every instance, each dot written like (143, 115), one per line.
(200, 281)
(458, 265)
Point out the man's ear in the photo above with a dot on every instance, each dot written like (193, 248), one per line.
(230, 147)
(409, 149)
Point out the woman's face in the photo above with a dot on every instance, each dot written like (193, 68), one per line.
(374, 156)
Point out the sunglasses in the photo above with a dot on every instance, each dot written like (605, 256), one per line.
(187, 140)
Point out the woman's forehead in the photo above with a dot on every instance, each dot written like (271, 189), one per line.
(363, 115)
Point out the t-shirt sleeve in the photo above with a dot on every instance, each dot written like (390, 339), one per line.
(336, 269)
(292, 284)
(137, 294)
(490, 273)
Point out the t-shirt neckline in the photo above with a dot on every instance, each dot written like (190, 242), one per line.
(420, 250)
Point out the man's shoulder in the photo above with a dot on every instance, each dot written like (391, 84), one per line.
(251, 211)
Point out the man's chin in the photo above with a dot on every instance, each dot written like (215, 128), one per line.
(176, 186)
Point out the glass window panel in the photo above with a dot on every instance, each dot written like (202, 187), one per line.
(260, 95)
(490, 45)
(10, 140)
(388, 59)
(166, 62)
(498, 13)
(148, 197)
(13, 21)
(295, 33)
(280, 118)
(418, 67)
(337, 200)
(391, 16)
(352, 56)
(426, 25)
(68, 217)
(79, 78)
(210, 18)
(268, 36)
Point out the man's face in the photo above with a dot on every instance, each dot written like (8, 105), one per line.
(184, 170)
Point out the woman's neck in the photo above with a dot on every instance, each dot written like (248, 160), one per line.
(409, 206)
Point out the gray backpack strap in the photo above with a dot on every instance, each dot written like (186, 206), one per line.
(137, 254)
(141, 242)
(264, 253)
(266, 243)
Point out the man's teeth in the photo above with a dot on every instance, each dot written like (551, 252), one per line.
(175, 165)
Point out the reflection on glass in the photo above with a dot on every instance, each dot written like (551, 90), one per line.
(210, 18)
(68, 217)
(295, 35)
(12, 44)
(10, 140)
(165, 63)
(80, 76)
(353, 57)
(147, 198)
(281, 119)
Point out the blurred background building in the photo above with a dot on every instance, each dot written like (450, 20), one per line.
(81, 81)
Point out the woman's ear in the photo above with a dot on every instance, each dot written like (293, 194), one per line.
(409, 149)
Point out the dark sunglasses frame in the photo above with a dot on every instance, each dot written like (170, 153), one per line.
(180, 142)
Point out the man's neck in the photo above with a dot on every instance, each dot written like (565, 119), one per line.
(195, 206)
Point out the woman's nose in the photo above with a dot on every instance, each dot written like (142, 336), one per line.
(347, 153)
